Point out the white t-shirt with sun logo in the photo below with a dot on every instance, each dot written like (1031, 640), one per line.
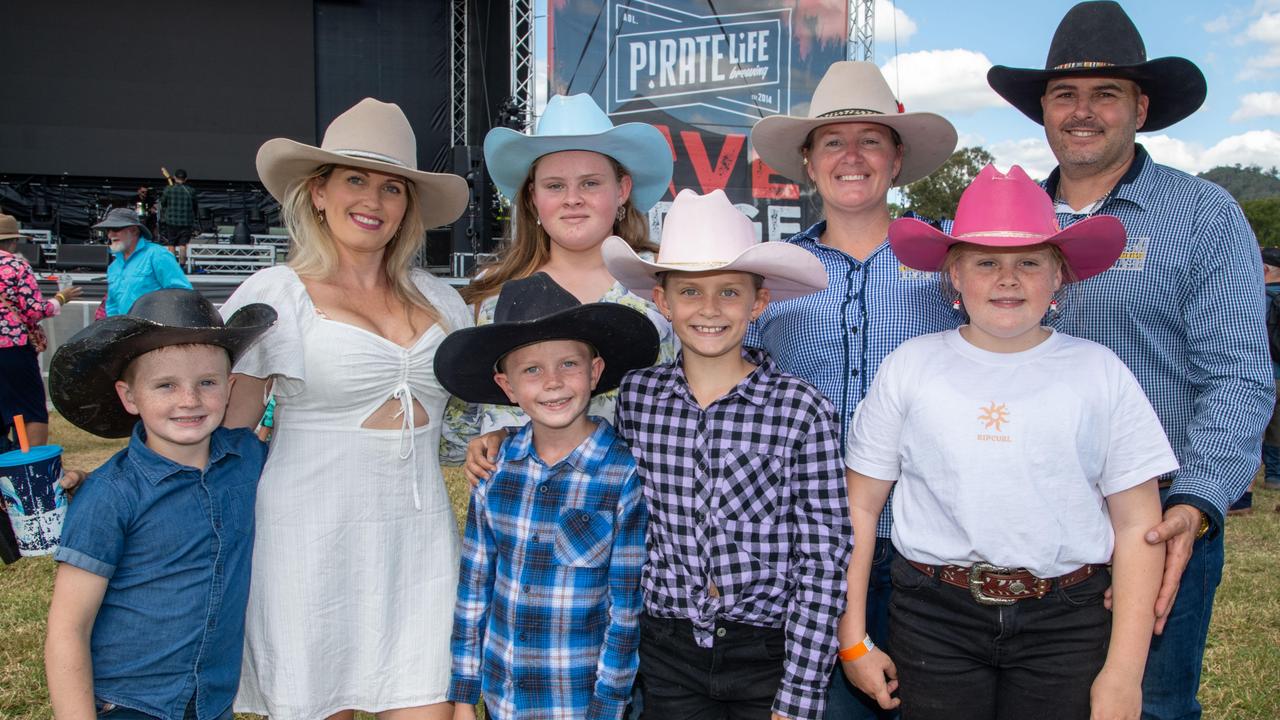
(1006, 458)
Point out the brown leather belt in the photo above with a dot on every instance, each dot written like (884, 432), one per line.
(995, 585)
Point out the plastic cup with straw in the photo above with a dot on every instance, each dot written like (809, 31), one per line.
(34, 497)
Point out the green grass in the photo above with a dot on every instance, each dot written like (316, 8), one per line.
(1240, 665)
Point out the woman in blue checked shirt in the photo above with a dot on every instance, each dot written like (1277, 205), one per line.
(856, 143)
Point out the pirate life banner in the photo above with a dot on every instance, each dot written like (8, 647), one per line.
(703, 72)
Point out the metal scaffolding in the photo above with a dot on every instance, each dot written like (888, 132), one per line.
(862, 30)
(523, 44)
(458, 74)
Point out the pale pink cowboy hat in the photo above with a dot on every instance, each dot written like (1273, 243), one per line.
(856, 92)
(372, 135)
(704, 233)
(1006, 211)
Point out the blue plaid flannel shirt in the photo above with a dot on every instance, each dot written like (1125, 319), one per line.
(836, 339)
(1184, 308)
(546, 624)
(749, 514)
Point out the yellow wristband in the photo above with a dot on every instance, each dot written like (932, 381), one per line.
(61, 300)
(854, 652)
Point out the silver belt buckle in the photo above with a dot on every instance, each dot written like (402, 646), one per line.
(975, 583)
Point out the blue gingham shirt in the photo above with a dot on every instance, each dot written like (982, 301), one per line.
(546, 624)
(1184, 308)
(836, 339)
(749, 517)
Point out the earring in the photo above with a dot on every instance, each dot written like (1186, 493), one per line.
(320, 218)
(955, 304)
(1053, 307)
(538, 221)
(622, 213)
(804, 160)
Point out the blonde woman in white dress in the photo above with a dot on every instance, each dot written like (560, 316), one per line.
(356, 553)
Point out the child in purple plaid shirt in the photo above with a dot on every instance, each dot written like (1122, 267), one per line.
(749, 526)
(548, 593)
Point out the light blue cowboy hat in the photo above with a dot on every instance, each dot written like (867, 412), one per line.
(575, 122)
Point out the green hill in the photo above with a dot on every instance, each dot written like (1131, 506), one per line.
(1246, 183)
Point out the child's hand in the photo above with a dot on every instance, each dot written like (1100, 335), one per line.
(482, 456)
(463, 711)
(1113, 697)
(71, 480)
(876, 675)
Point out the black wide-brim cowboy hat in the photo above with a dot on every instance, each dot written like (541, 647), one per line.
(466, 360)
(1097, 39)
(84, 370)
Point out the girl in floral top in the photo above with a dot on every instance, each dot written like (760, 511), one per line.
(577, 180)
(22, 307)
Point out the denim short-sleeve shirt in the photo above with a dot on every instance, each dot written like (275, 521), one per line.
(175, 544)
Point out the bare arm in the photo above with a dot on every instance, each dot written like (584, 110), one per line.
(77, 595)
(247, 402)
(1136, 568)
(873, 673)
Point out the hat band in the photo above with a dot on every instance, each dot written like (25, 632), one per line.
(1002, 234)
(850, 112)
(1083, 65)
(366, 155)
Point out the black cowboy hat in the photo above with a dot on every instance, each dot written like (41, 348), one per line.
(1097, 39)
(536, 309)
(84, 370)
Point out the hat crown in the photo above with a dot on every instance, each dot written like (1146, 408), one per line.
(572, 115)
(531, 298)
(1004, 204)
(176, 308)
(8, 225)
(852, 88)
(1095, 34)
(704, 229)
(373, 130)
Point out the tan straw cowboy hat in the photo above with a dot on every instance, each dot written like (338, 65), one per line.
(856, 92)
(372, 135)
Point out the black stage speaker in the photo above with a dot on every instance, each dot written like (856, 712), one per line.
(92, 257)
(474, 233)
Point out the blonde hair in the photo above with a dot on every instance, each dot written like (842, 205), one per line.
(527, 246)
(311, 246)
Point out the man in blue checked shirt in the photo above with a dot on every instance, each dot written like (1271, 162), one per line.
(549, 590)
(1183, 307)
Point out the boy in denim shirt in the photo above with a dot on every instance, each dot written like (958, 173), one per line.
(147, 615)
(549, 589)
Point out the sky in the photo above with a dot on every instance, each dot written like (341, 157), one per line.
(937, 53)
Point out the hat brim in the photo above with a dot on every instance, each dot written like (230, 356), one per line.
(623, 337)
(84, 370)
(106, 225)
(928, 140)
(1090, 246)
(1175, 86)
(281, 162)
(788, 271)
(639, 147)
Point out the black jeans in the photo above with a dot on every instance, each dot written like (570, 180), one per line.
(961, 660)
(735, 679)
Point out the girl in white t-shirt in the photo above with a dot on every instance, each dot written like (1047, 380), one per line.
(1025, 462)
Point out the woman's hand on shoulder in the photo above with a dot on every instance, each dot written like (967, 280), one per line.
(482, 456)
(876, 675)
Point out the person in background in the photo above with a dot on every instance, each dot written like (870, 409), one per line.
(178, 207)
(22, 307)
(138, 266)
(1271, 438)
(1189, 277)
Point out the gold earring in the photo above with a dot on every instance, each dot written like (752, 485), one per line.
(622, 213)
(320, 215)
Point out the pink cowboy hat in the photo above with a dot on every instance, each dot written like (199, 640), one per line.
(705, 233)
(999, 210)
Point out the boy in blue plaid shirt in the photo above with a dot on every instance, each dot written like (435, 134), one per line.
(749, 522)
(549, 589)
